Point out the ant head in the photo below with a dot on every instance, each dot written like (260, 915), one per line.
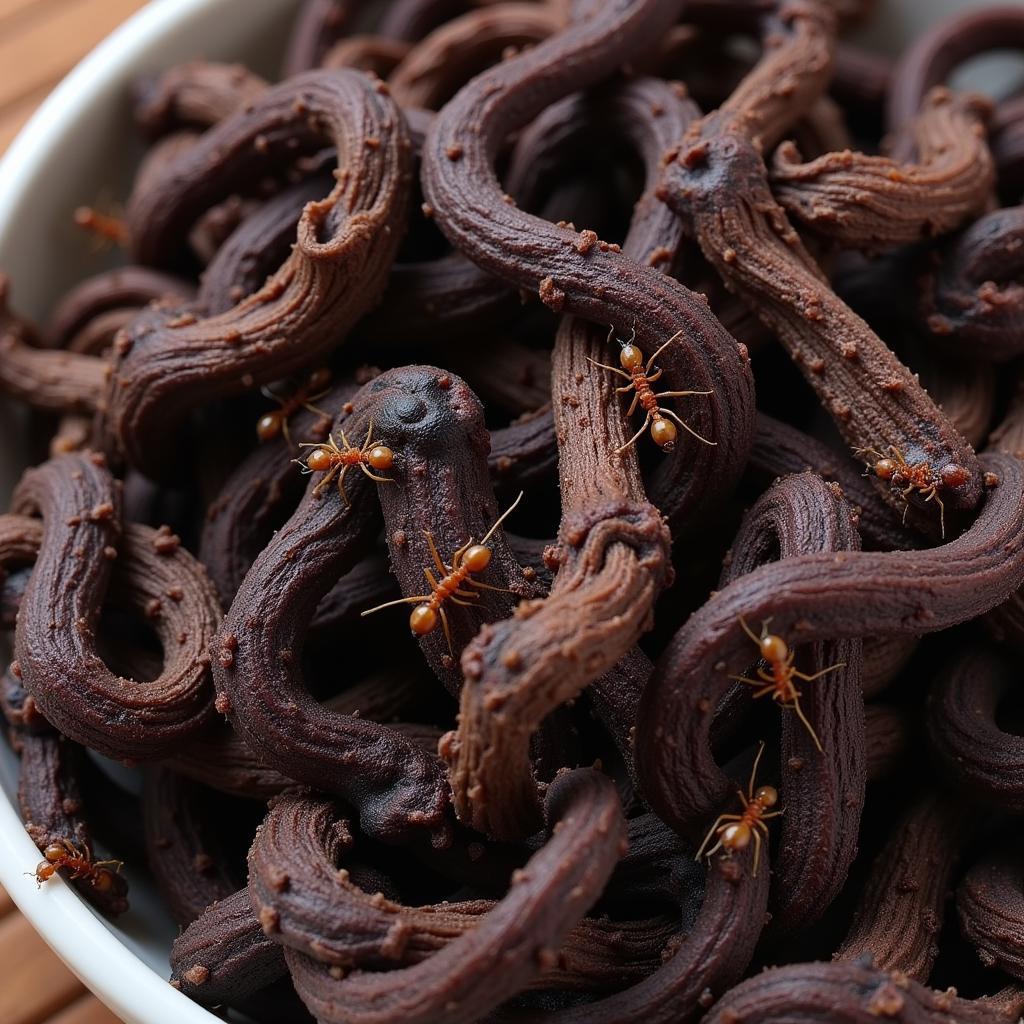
(885, 469)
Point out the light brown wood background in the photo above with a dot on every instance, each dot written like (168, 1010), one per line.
(40, 42)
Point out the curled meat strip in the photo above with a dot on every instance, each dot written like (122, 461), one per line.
(57, 381)
(378, 54)
(465, 46)
(55, 641)
(698, 966)
(823, 791)
(110, 292)
(222, 958)
(50, 799)
(441, 486)
(964, 732)
(897, 925)
(512, 944)
(990, 904)
(613, 545)
(935, 54)
(320, 24)
(398, 789)
(185, 848)
(850, 993)
(827, 596)
(717, 183)
(170, 361)
(973, 302)
(875, 202)
(194, 95)
(331, 918)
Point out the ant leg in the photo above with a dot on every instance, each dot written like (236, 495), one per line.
(746, 629)
(680, 394)
(430, 578)
(632, 407)
(611, 335)
(753, 771)
(392, 604)
(504, 515)
(341, 487)
(655, 376)
(818, 675)
(447, 631)
(942, 516)
(633, 440)
(807, 725)
(650, 362)
(625, 389)
(708, 838)
(327, 480)
(614, 369)
(686, 427)
(458, 555)
(487, 586)
(310, 407)
(373, 476)
(757, 852)
(464, 593)
(286, 432)
(755, 682)
(458, 601)
(432, 547)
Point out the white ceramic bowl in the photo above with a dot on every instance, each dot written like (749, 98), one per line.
(80, 146)
(77, 148)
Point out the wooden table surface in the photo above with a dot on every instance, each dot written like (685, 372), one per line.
(40, 42)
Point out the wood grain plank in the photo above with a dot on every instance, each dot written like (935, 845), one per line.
(38, 50)
(11, 9)
(35, 983)
(86, 1010)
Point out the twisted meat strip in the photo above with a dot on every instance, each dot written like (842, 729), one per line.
(716, 181)
(964, 733)
(55, 641)
(170, 361)
(896, 925)
(877, 202)
(851, 993)
(613, 548)
(828, 596)
(511, 945)
(973, 302)
(398, 789)
(823, 790)
(990, 904)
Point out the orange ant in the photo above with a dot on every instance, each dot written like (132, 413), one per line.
(334, 461)
(904, 478)
(107, 229)
(272, 424)
(640, 378)
(65, 854)
(778, 678)
(734, 831)
(469, 560)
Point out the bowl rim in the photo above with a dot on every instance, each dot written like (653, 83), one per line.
(72, 929)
